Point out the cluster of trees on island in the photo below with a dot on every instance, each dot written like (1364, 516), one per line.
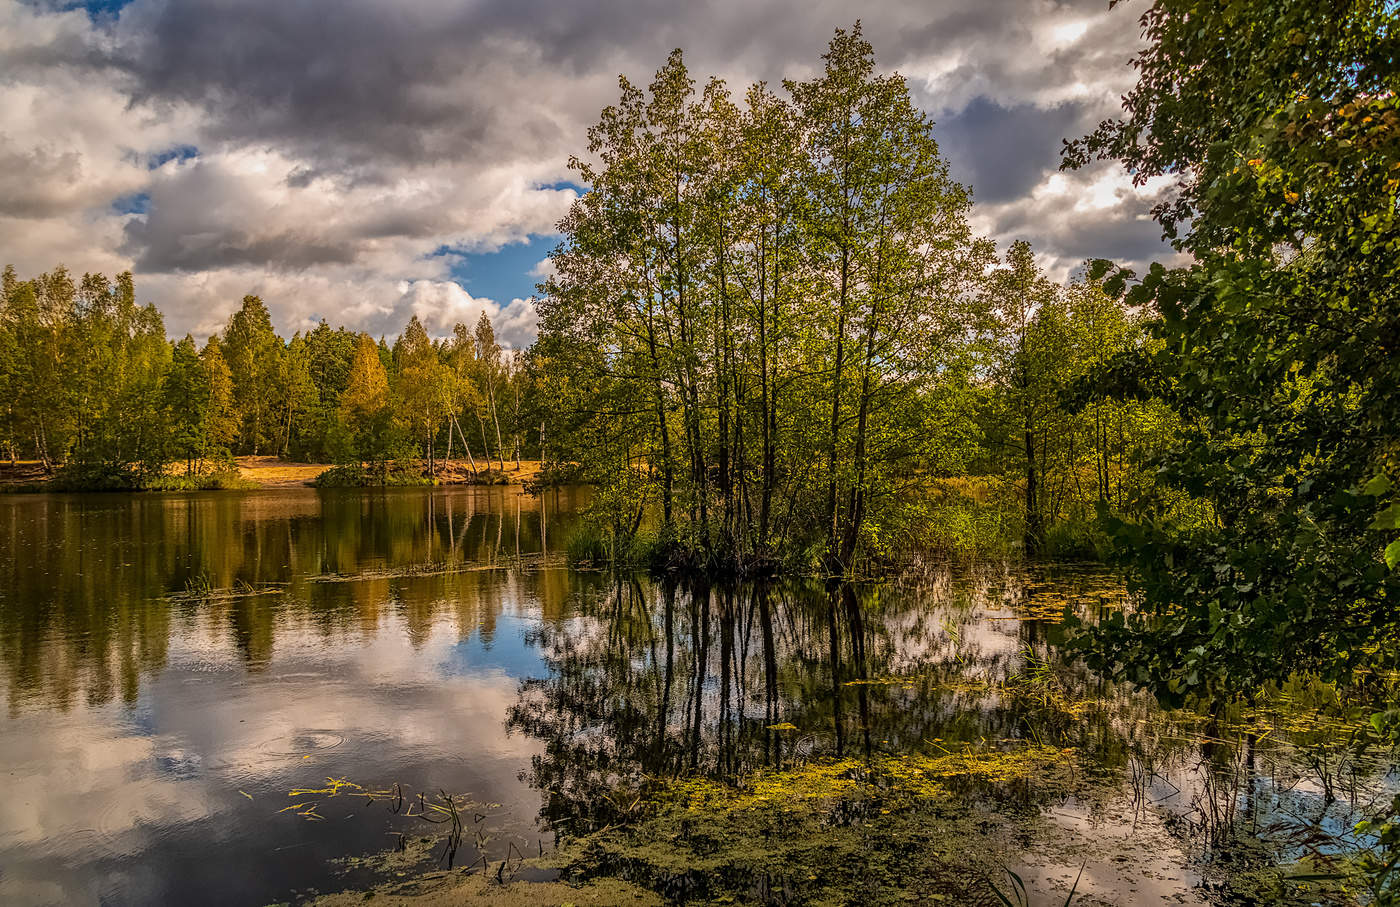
(771, 322)
(89, 382)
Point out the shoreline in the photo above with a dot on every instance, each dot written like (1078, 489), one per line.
(273, 472)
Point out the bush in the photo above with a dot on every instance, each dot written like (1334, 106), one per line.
(223, 480)
(96, 478)
(386, 473)
(554, 474)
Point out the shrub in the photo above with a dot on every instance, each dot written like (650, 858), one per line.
(385, 473)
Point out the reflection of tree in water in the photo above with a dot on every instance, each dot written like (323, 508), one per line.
(654, 682)
(93, 587)
(659, 680)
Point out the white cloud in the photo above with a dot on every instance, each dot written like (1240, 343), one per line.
(543, 269)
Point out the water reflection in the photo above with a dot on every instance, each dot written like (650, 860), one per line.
(173, 666)
(90, 585)
(654, 680)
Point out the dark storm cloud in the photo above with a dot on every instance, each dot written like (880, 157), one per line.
(359, 83)
(1003, 152)
(199, 218)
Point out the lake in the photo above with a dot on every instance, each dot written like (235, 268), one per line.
(239, 697)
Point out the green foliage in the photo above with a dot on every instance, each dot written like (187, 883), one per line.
(1068, 451)
(753, 309)
(254, 353)
(1278, 123)
(380, 473)
(92, 387)
(318, 435)
(1271, 346)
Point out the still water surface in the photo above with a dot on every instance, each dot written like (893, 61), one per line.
(174, 666)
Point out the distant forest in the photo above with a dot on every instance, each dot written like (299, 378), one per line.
(90, 383)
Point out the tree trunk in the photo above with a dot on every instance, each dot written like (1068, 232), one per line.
(1034, 529)
(835, 427)
(485, 441)
(465, 446)
(666, 477)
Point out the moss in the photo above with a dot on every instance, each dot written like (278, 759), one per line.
(458, 889)
(884, 829)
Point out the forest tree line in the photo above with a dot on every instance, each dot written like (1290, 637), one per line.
(89, 383)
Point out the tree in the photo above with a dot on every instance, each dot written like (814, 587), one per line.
(1027, 364)
(186, 393)
(365, 407)
(460, 387)
(488, 362)
(221, 419)
(299, 397)
(253, 351)
(328, 354)
(1279, 125)
(422, 396)
(754, 303)
(1282, 131)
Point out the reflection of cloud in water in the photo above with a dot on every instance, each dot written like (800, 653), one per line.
(93, 785)
(507, 653)
(82, 789)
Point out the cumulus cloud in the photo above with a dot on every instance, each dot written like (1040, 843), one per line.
(334, 158)
(441, 305)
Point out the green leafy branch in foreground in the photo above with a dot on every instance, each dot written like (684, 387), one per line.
(1277, 348)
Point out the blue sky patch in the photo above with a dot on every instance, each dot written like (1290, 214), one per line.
(506, 651)
(136, 203)
(502, 275)
(175, 153)
(100, 9)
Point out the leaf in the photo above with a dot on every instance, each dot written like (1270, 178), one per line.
(1388, 518)
(1392, 554)
(1378, 485)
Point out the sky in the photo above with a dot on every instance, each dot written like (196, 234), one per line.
(362, 161)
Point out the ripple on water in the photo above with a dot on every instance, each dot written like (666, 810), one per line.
(302, 743)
